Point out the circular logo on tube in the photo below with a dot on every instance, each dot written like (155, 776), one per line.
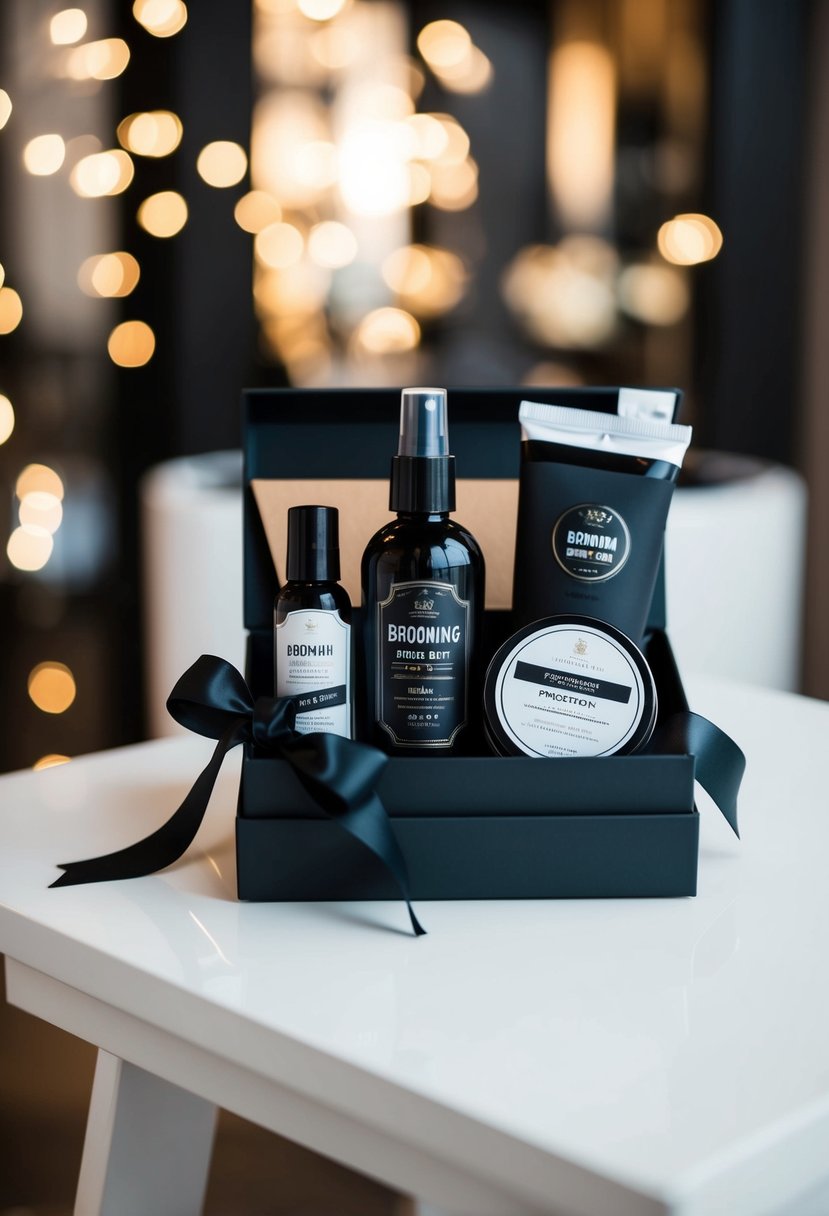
(591, 542)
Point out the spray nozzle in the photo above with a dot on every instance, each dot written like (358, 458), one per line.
(424, 429)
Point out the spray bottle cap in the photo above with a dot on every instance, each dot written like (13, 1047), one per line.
(424, 430)
(423, 472)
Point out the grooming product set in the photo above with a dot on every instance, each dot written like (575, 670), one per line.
(594, 494)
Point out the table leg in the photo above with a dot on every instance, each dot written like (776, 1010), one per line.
(147, 1146)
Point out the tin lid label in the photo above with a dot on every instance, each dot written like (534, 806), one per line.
(569, 686)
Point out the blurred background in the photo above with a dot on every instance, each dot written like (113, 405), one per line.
(378, 192)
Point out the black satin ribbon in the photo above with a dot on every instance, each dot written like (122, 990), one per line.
(341, 775)
(720, 763)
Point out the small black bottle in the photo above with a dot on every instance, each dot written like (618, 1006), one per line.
(423, 595)
(312, 625)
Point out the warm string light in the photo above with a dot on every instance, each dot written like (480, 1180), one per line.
(39, 478)
(6, 418)
(459, 65)
(11, 310)
(52, 687)
(689, 239)
(153, 133)
(67, 26)
(164, 214)
(5, 108)
(109, 275)
(102, 60)
(102, 173)
(338, 146)
(29, 549)
(44, 155)
(161, 18)
(131, 344)
(222, 163)
(39, 490)
(39, 509)
(256, 210)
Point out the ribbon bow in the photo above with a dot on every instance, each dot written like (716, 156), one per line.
(341, 775)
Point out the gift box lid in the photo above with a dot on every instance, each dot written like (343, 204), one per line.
(349, 435)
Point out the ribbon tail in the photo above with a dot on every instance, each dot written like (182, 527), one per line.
(369, 824)
(167, 843)
(720, 763)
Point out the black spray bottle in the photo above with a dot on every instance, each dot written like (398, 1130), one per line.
(423, 596)
(312, 625)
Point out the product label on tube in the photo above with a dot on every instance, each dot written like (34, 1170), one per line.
(591, 542)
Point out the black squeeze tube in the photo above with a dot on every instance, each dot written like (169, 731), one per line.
(565, 490)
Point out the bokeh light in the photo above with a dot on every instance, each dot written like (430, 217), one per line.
(161, 18)
(5, 108)
(321, 10)
(374, 178)
(109, 275)
(386, 331)
(565, 295)
(444, 44)
(454, 186)
(52, 760)
(278, 245)
(294, 293)
(102, 60)
(689, 239)
(38, 478)
(334, 47)
(472, 75)
(427, 280)
(163, 214)
(39, 509)
(131, 344)
(431, 136)
(654, 295)
(52, 687)
(11, 310)
(6, 418)
(255, 210)
(103, 173)
(151, 133)
(222, 163)
(332, 244)
(67, 26)
(581, 141)
(29, 549)
(44, 155)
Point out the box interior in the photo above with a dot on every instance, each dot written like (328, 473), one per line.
(343, 441)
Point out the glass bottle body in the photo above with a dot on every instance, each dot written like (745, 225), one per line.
(423, 595)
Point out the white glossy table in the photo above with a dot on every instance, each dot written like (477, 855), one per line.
(599, 1058)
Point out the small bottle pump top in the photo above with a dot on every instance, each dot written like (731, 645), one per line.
(313, 545)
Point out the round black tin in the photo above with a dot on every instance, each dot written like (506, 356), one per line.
(569, 686)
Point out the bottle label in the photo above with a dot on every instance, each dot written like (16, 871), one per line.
(313, 665)
(422, 664)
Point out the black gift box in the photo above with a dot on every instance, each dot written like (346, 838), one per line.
(470, 828)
